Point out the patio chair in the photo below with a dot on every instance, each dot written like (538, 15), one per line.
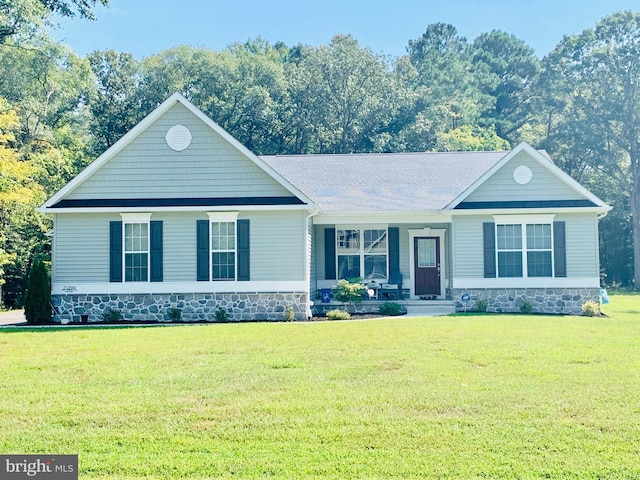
(393, 289)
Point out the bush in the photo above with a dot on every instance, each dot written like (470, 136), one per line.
(590, 309)
(338, 315)
(481, 305)
(175, 314)
(111, 315)
(391, 309)
(350, 292)
(526, 306)
(289, 315)
(37, 304)
(222, 315)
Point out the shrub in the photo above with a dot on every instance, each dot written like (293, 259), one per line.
(175, 314)
(526, 306)
(338, 315)
(391, 309)
(590, 309)
(351, 292)
(222, 315)
(111, 315)
(481, 305)
(37, 304)
(289, 315)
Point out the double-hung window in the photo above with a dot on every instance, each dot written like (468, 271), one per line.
(223, 245)
(136, 246)
(136, 252)
(223, 250)
(362, 253)
(524, 249)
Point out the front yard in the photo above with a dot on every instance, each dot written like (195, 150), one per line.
(510, 396)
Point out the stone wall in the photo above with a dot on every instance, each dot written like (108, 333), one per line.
(543, 300)
(193, 307)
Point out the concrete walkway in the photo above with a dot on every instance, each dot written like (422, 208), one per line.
(14, 317)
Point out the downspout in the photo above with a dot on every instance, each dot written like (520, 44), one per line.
(307, 259)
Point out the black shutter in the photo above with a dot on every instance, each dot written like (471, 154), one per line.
(489, 240)
(155, 252)
(394, 250)
(330, 253)
(559, 249)
(202, 251)
(244, 250)
(115, 251)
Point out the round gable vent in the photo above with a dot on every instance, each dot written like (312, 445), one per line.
(522, 174)
(178, 137)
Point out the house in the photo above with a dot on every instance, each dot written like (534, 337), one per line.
(178, 214)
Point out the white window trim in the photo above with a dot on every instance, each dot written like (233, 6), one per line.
(361, 254)
(130, 218)
(224, 217)
(523, 221)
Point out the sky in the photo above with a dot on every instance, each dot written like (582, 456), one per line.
(146, 27)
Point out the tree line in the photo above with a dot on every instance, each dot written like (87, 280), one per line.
(581, 103)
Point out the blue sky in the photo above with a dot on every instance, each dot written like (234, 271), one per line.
(145, 27)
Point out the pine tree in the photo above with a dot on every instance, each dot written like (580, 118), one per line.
(37, 305)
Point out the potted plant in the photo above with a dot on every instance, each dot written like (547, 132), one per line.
(84, 315)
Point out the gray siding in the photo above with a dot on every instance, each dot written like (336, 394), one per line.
(81, 246)
(543, 186)
(148, 168)
(581, 238)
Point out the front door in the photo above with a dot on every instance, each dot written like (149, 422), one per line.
(426, 255)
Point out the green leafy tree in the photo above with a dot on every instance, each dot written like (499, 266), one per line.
(594, 108)
(21, 18)
(506, 69)
(37, 305)
(343, 98)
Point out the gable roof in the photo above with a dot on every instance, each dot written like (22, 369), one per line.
(542, 158)
(57, 201)
(384, 182)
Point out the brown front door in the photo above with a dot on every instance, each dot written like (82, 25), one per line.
(426, 258)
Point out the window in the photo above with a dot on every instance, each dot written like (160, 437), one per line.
(362, 253)
(524, 250)
(136, 252)
(223, 250)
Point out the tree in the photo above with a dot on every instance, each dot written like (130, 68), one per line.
(19, 195)
(115, 104)
(596, 76)
(37, 305)
(506, 69)
(23, 17)
(343, 98)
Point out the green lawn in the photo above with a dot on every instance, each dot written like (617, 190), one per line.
(448, 397)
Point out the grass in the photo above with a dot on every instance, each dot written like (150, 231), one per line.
(503, 396)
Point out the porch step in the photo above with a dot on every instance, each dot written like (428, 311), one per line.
(429, 308)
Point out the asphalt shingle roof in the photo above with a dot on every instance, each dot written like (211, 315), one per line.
(384, 182)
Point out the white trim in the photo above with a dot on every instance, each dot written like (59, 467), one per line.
(428, 232)
(541, 159)
(365, 218)
(142, 126)
(138, 288)
(530, 282)
(135, 217)
(230, 217)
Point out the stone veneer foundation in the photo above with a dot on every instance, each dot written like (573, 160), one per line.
(194, 307)
(543, 300)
